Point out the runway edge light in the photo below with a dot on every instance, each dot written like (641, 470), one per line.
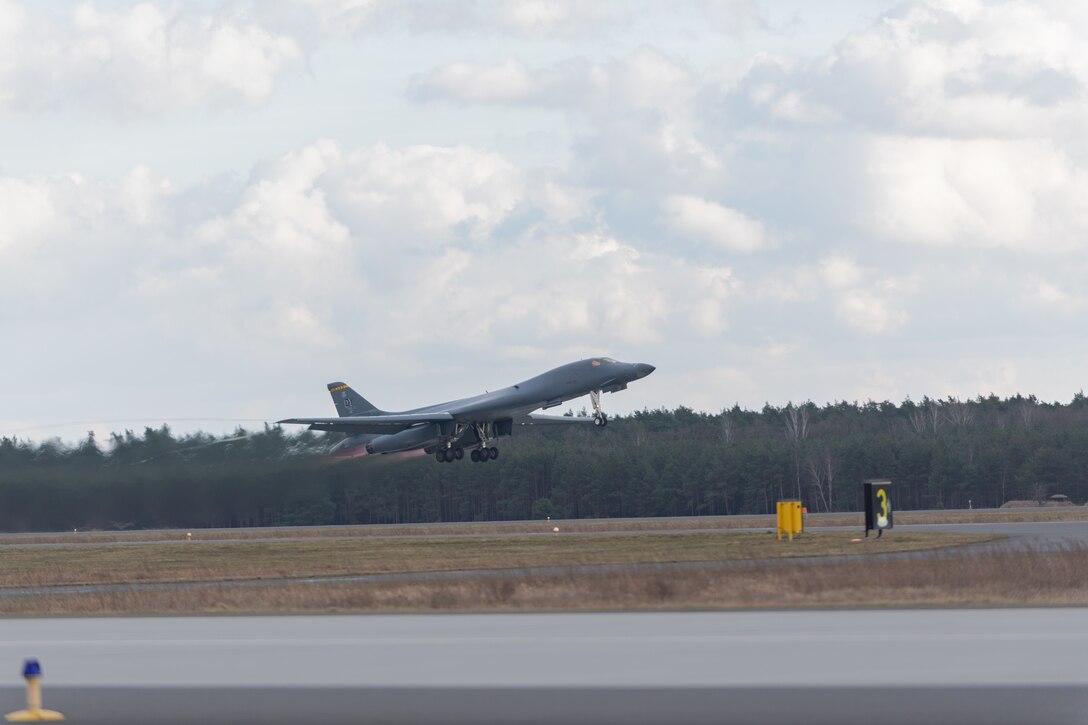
(32, 671)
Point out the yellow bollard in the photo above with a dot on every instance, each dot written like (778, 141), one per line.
(32, 671)
(189, 536)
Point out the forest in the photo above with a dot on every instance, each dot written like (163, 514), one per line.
(937, 453)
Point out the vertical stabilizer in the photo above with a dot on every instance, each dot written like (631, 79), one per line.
(348, 402)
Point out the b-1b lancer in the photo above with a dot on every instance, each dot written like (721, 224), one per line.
(448, 429)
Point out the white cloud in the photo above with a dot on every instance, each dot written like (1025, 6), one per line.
(533, 19)
(988, 193)
(1053, 296)
(299, 259)
(839, 272)
(507, 82)
(422, 195)
(645, 79)
(283, 220)
(635, 118)
(138, 58)
(28, 212)
(868, 312)
(961, 69)
(723, 227)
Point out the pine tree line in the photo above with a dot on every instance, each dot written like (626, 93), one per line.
(938, 453)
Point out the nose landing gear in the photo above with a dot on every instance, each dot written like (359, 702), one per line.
(600, 419)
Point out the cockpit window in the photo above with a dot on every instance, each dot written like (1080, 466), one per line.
(608, 361)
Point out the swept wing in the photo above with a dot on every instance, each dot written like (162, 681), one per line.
(384, 423)
(542, 419)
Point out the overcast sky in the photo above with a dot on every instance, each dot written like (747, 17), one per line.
(210, 210)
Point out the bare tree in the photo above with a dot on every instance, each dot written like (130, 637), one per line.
(796, 422)
(959, 412)
(1025, 411)
(728, 428)
(797, 431)
(918, 420)
(933, 412)
(821, 469)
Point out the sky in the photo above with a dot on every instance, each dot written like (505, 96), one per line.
(208, 210)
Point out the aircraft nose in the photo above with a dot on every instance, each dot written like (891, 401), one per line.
(642, 369)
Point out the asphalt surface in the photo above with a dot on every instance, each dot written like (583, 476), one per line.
(884, 666)
(1043, 535)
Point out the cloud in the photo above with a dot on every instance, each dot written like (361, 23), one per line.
(282, 221)
(1052, 296)
(707, 220)
(523, 19)
(957, 69)
(840, 272)
(508, 82)
(422, 195)
(138, 59)
(28, 212)
(645, 79)
(1024, 194)
(868, 312)
(415, 246)
(636, 130)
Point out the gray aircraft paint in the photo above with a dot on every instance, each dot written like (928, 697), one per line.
(470, 422)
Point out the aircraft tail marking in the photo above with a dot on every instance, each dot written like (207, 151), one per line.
(349, 403)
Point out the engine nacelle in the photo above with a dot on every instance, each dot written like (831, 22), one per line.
(352, 446)
(416, 437)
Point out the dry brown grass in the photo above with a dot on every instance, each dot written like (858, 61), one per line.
(963, 579)
(695, 523)
(31, 566)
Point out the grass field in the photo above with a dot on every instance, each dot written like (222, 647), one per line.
(964, 579)
(742, 568)
(191, 565)
(22, 566)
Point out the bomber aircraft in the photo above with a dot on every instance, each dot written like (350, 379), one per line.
(448, 429)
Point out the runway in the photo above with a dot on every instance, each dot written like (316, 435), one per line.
(889, 666)
(1039, 535)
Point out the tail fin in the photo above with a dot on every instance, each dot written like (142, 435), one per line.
(348, 402)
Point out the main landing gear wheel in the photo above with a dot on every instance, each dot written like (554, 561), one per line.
(600, 420)
(483, 455)
(449, 455)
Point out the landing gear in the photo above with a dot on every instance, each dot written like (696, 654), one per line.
(600, 419)
(484, 433)
(448, 455)
(483, 455)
